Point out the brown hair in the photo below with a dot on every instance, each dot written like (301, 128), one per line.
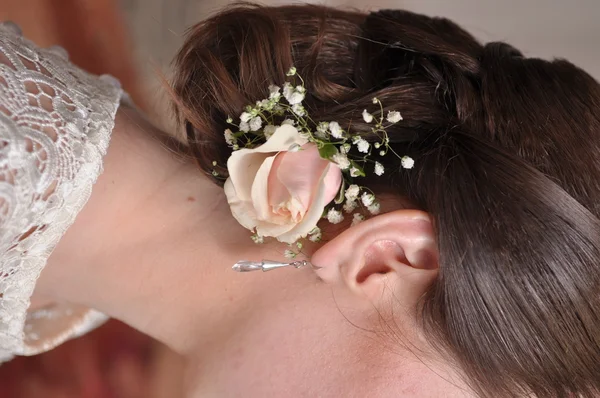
(507, 153)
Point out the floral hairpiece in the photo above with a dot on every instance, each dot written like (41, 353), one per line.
(284, 178)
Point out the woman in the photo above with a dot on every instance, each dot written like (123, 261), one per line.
(470, 270)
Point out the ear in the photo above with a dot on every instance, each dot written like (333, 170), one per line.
(391, 256)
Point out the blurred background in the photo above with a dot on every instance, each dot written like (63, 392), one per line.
(135, 40)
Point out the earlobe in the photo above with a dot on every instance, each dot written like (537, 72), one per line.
(393, 253)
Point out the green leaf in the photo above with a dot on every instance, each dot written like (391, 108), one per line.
(361, 171)
(327, 151)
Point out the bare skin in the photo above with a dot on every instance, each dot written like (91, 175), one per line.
(154, 248)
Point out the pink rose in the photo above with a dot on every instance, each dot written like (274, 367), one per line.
(279, 190)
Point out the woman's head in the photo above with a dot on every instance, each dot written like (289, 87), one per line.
(506, 169)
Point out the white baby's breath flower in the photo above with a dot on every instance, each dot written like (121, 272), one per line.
(379, 169)
(322, 130)
(354, 172)
(255, 123)
(289, 122)
(357, 219)
(229, 137)
(350, 206)
(394, 116)
(266, 104)
(245, 117)
(381, 153)
(288, 89)
(291, 72)
(229, 120)
(315, 235)
(367, 117)
(345, 148)
(335, 216)
(257, 239)
(244, 126)
(274, 92)
(323, 126)
(269, 130)
(352, 192)
(367, 199)
(374, 208)
(293, 95)
(289, 254)
(341, 160)
(375, 100)
(295, 98)
(298, 110)
(407, 162)
(362, 145)
(336, 130)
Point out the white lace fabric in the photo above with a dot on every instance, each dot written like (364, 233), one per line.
(55, 126)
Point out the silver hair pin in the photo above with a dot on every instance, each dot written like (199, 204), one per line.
(268, 265)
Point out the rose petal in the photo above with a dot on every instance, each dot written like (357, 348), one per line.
(265, 228)
(332, 182)
(283, 137)
(248, 191)
(299, 173)
(244, 163)
(244, 213)
(260, 193)
(242, 167)
(277, 192)
(241, 210)
(314, 213)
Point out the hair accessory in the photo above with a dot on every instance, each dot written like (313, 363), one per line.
(267, 265)
(287, 171)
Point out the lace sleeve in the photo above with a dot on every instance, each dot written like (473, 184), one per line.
(55, 125)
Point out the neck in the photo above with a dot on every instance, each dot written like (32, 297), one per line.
(141, 249)
(154, 247)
